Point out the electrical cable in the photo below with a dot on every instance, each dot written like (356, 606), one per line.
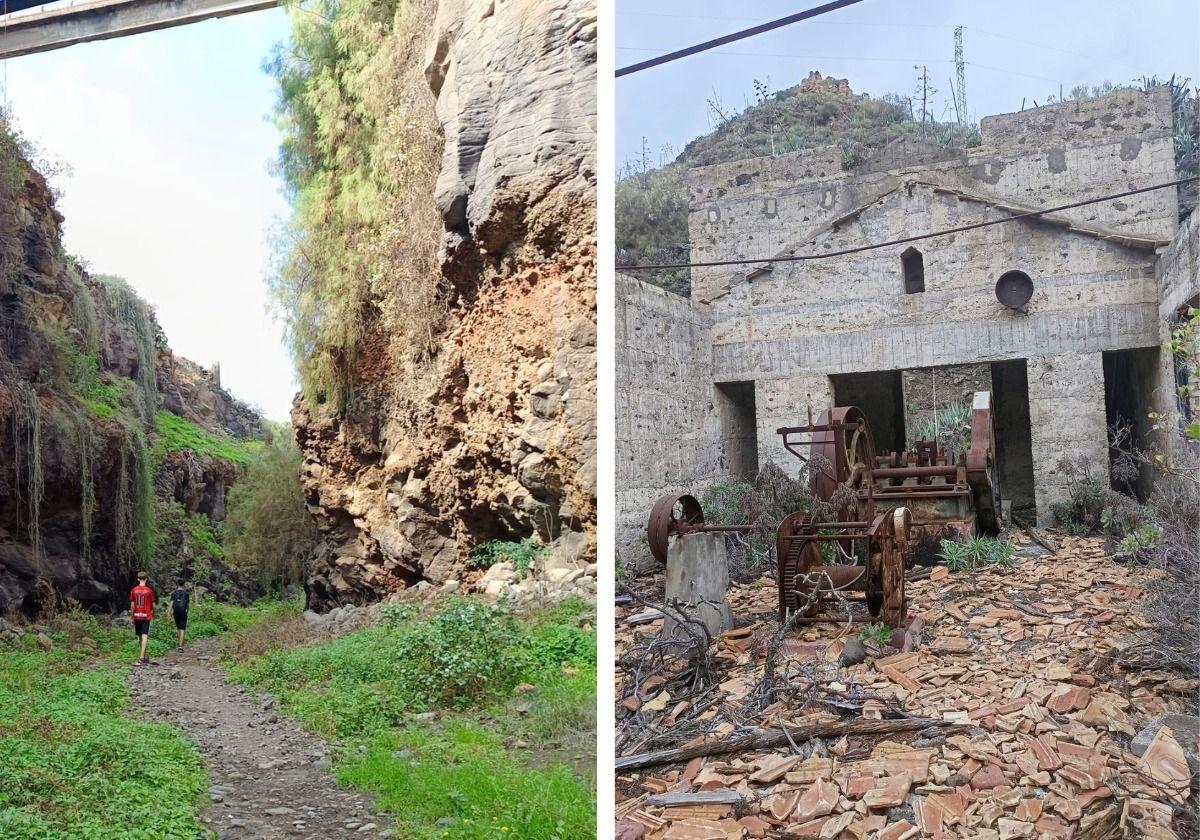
(735, 36)
(1016, 217)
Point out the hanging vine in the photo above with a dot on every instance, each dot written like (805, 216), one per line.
(27, 462)
(133, 312)
(134, 503)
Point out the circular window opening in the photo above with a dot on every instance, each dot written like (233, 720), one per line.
(1014, 289)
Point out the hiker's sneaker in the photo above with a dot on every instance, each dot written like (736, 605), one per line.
(180, 648)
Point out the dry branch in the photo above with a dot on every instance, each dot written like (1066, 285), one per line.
(777, 738)
(1033, 535)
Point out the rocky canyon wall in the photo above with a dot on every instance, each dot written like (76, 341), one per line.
(84, 372)
(500, 442)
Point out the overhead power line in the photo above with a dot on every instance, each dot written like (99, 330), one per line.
(736, 36)
(803, 257)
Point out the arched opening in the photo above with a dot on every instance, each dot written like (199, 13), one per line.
(914, 271)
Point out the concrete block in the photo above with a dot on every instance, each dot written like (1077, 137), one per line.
(698, 580)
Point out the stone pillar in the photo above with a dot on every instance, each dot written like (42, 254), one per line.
(785, 402)
(698, 578)
(1067, 421)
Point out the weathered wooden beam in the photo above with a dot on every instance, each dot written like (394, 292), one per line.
(55, 27)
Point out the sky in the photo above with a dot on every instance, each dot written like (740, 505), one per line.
(168, 143)
(1014, 50)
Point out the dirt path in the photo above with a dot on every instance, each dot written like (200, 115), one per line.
(269, 779)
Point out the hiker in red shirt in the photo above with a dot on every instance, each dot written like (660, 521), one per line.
(141, 608)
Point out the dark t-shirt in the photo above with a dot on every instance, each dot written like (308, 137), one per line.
(179, 599)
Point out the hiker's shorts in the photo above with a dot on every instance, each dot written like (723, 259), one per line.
(180, 619)
(141, 627)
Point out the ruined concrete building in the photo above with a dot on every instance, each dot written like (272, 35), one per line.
(703, 383)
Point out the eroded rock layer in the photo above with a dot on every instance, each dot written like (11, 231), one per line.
(502, 445)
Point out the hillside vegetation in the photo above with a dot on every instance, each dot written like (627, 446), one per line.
(652, 203)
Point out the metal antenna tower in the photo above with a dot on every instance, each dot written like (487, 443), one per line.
(960, 68)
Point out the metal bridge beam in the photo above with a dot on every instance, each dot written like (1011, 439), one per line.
(61, 26)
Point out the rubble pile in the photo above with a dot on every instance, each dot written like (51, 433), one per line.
(1042, 733)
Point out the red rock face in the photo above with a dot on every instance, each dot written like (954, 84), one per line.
(501, 443)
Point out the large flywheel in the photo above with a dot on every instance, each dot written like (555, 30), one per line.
(670, 515)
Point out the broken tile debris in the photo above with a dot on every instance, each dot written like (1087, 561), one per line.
(1016, 657)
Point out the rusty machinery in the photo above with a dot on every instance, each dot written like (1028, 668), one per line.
(876, 505)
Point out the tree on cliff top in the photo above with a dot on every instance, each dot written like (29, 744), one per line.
(359, 158)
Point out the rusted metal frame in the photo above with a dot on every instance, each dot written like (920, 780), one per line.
(685, 528)
(916, 472)
(922, 490)
(827, 537)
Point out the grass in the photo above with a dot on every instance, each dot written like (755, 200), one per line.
(511, 755)
(73, 765)
(454, 781)
(175, 434)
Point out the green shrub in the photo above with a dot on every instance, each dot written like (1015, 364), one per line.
(951, 427)
(977, 552)
(521, 554)
(467, 652)
(880, 634)
(725, 503)
(554, 644)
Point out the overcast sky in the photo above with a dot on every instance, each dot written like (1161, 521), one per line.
(169, 143)
(1014, 49)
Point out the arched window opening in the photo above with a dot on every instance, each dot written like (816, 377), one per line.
(914, 271)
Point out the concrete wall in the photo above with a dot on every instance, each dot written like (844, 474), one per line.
(1179, 286)
(849, 314)
(668, 432)
(1039, 158)
(1067, 423)
(786, 402)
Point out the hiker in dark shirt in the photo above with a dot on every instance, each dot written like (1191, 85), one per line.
(181, 597)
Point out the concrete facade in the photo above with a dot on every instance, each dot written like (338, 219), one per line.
(796, 332)
(667, 425)
(1179, 276)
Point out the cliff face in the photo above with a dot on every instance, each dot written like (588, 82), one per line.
(501, 444)
(83, 370)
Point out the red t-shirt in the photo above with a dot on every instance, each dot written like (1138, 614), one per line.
(141, 603)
